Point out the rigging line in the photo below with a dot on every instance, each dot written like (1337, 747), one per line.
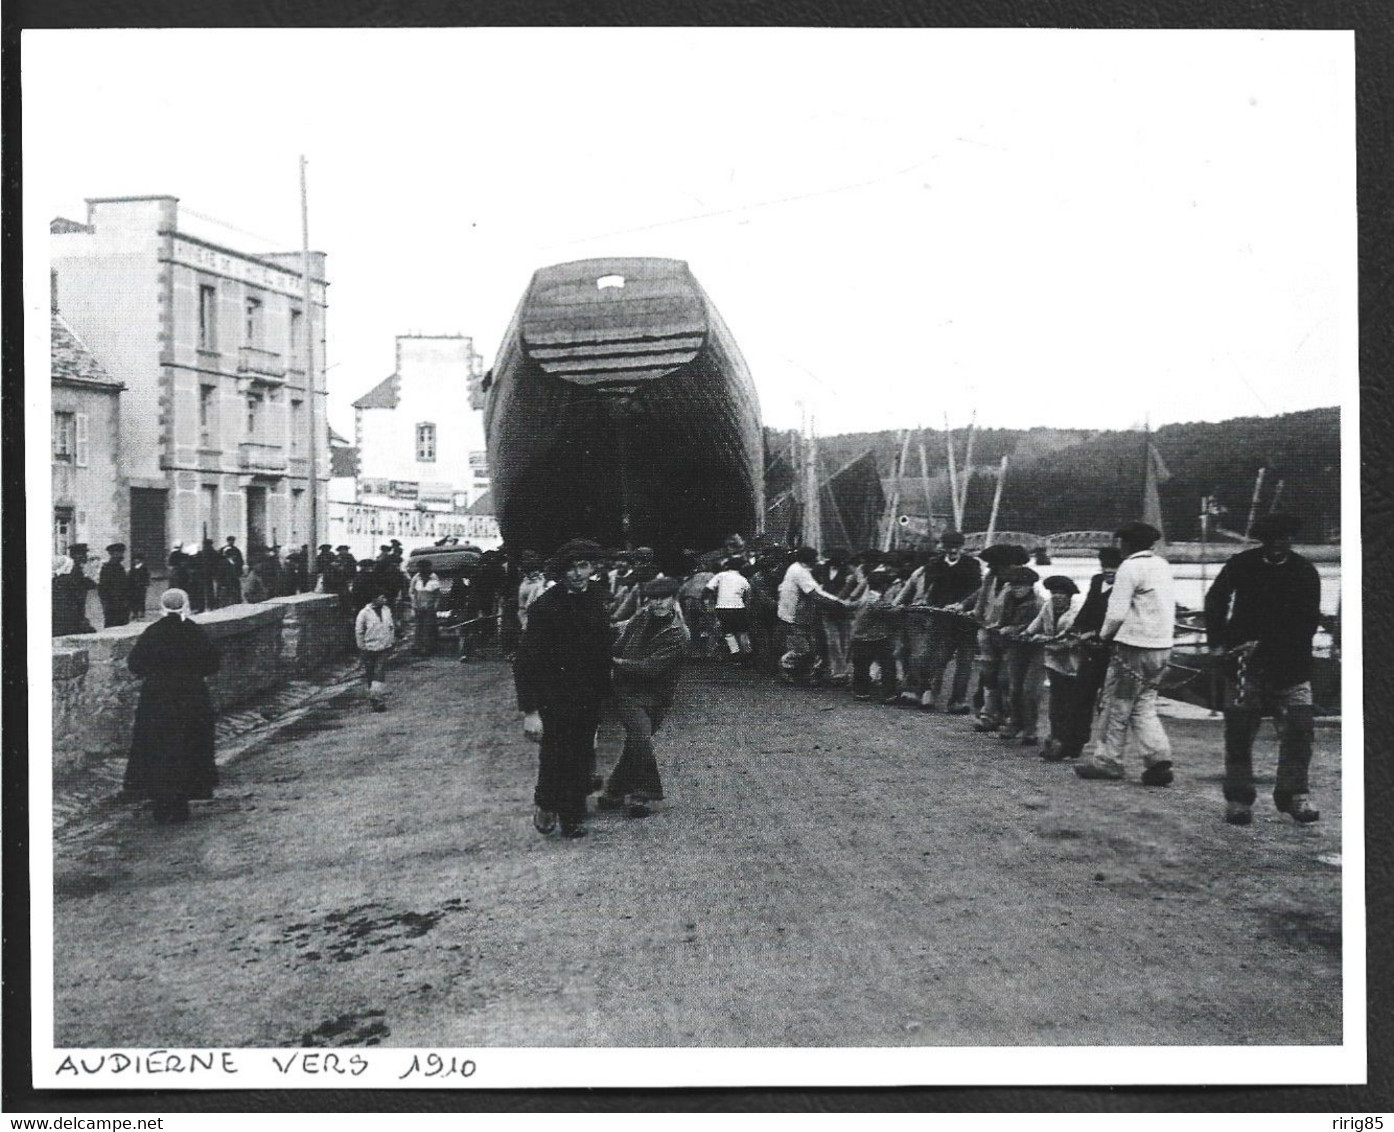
(743, 207)
(233, 227)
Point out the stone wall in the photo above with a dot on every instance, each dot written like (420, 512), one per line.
(315, 630)
(95, 694)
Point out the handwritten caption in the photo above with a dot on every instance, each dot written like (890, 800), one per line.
(401, 1065)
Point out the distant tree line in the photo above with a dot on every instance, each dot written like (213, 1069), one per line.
(1060, 480)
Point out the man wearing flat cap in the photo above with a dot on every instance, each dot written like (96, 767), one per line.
(562, 674)
(984, 605)
(648, 655)
(113, 588)
(1262, 613)
(1141, 623)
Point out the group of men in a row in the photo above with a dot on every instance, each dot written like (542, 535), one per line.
(992, 619)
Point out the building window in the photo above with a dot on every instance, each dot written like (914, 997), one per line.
(70, 438)
(205, 414)
(207, 317)
(208, 511)
(253, 336)
(297, 424)
(254, 401)
(297, 328)
(426, 443)
(64, 438)
(63, 530)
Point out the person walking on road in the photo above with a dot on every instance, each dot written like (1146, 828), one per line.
(1262, 613)
(171, 758)
(562, 674)
(647, 659)
(234, 566)
(425, 599)
(1141, 623)
(70, 588)
(375, 634)
(730, 589)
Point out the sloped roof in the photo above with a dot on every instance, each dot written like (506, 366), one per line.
(484, 505)
(70, 359)
(384, 395)
(343, 461)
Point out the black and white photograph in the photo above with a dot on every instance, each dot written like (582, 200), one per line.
(692, 557)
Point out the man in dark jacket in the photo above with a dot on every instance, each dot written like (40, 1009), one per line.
(113, 587)
(648, 658)
(1262, 612)
(234, 566)
(137, 587)
(951, 578)
(562, 673)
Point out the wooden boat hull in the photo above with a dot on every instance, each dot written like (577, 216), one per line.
(623, 413)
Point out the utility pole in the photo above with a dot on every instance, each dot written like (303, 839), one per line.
(311, 390)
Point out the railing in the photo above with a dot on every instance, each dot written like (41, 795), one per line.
(257, 457)
(261, 363)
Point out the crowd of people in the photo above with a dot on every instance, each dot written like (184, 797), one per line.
(596, 636)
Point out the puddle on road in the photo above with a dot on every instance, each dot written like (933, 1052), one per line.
(364, 1029)
(351, 933)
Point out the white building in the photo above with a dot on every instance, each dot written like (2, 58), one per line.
(209, 345)
(419, 436)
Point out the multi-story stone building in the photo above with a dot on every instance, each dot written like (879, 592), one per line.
(90, 503)
(209, 343)
(419, 433)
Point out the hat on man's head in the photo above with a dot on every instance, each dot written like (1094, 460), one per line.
(1059, 584)
(578, 550)
(1000, 555)
(343, 546)
(1276, 524)
(529, 558)
(1022, 576)
(662, 587)
(116, 548)
(77, 548)
(951, 537)
(325, 546)
(1138, 533)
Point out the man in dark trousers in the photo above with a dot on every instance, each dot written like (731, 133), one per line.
(648, 658)
(234, 566)
(113, 587)
(950, 579)
(562, 673)
(1262, 613)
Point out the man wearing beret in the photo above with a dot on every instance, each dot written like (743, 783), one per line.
(562, 674)
(984, 605)
(954, 577)
(113, 587)
(1141, 623)
(647, 658)
(1262, 612)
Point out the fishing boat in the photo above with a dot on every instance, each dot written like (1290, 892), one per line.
(620, 409)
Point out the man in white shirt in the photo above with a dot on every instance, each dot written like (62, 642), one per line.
(375, 635)
(799, 595)
(732, 590)
(1140, 622)
(425, 599)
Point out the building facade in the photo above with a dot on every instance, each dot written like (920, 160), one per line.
(90, 501)
(209, 343)
(419, 433)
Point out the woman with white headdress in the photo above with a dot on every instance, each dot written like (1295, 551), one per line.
(171, 757)
(70, 588)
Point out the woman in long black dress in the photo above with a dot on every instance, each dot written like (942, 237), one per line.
(172, 748)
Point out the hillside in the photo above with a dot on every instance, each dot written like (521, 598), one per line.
(1061, 480)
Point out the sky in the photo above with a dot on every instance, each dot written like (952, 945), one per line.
(1048, 228)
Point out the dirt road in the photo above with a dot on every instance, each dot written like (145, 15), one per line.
(825, 873)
